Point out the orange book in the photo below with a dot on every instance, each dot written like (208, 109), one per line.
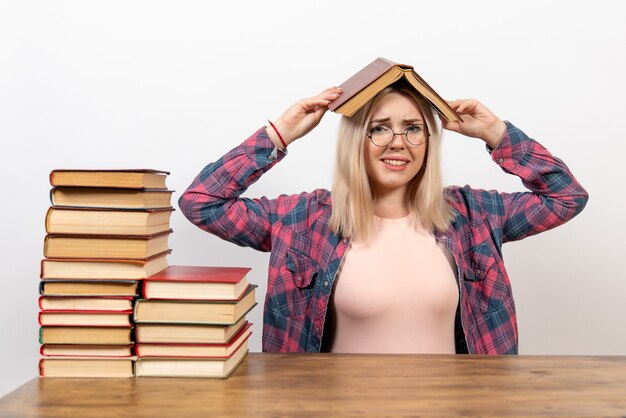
(102, 221)
(105, 246)
(123, 178)
(217, 312)
(86, 335)
(88, 288)
(194, 350)
(191, 367)
(86, 367)
(84, 350)
(188, 333)
(92, 268)
(86, 318)
(113, 198)
(102, 303)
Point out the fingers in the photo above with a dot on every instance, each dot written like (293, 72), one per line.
(330, 93)
(321, 100)
(313, 104)
(464, 105)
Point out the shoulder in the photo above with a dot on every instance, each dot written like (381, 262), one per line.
(469, 202)
(303, 208)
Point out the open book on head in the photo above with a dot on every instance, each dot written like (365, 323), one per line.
(380, 73)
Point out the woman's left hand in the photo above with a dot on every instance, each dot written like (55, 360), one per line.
(477, 121)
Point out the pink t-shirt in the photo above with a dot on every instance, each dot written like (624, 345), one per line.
(397, 294)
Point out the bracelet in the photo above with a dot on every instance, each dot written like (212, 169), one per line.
(282, 141)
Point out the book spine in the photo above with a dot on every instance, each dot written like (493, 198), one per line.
(45, 246)
(48, 215)
(41, 372)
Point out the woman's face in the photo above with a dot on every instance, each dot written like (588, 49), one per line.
(390, 168)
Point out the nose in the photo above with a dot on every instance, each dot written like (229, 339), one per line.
(397, 143)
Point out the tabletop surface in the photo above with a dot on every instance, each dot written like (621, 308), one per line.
(347, 385)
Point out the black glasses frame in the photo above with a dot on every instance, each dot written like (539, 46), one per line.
(393, 136)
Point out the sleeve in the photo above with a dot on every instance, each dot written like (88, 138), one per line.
(213, 203)
(554, 195)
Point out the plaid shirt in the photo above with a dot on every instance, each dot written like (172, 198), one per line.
(306, 254)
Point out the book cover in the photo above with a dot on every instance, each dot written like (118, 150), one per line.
(121, 221)
(119, 178)
(88, 288)
(78, 268)
(82, 367)
(188, 333)
(362, 79)
(85, 335)
(376, 76)
(194, 350)
(111, 198)
(194, 311)
(105, 246)
(197, 283)
(86, 318)
(84, 350)
(206, 367)
(86, 303)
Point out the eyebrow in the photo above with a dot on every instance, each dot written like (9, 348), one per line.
(405, 121)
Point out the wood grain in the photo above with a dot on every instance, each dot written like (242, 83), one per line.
(347, 385)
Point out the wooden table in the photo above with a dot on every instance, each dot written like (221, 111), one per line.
(346, 385)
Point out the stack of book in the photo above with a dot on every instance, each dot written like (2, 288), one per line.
(106, 231)
(191, 322)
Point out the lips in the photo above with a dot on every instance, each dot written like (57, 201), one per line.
(394, 162)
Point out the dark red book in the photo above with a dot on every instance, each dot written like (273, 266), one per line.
(197, 283)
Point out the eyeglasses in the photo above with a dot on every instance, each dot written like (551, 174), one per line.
(383, 135)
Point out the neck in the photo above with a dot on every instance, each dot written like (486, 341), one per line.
(390, 204)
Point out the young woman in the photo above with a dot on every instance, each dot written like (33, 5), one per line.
(391, 261)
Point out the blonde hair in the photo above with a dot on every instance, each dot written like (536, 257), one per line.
(352, 193)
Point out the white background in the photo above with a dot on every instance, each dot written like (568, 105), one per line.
(174, 85)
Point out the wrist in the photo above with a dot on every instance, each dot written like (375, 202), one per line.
(494, 135)
(274, 134)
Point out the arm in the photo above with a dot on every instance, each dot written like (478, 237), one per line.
(554, 195)
(213, 201)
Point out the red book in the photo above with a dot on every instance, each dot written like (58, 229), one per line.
(197, 283)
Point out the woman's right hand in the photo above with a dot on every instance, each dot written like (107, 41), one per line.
(302, 117)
